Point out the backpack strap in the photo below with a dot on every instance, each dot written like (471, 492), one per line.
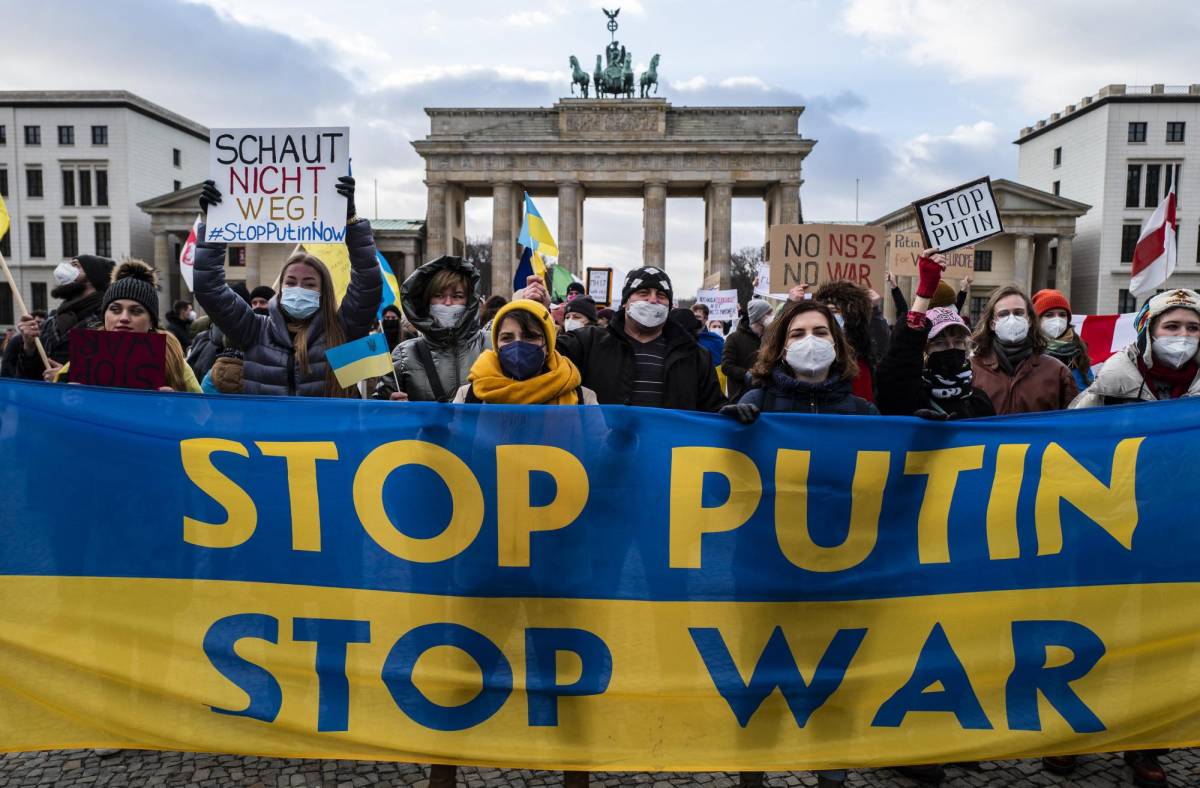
(421, 348)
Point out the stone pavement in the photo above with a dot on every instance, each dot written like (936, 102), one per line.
(84, 769)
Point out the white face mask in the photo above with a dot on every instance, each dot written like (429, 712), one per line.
(65, 274)
(1054, 327)
(647, 314)
(571, 323)
(1175, 351)
(446, 316)
(191, 314)
(811, 355)
(1011, 328)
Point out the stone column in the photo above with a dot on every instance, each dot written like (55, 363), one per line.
(504, 240)
(456, 220)
(569, 251)
(436, 238)
(654, 225)
(162, 265)
(718, 199)
(253, 266)
(1023, 261)
(1063, 280)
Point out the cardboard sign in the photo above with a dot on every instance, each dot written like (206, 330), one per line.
(278, 185)
(905, 248)
(959, 217)
(812, 254)
(122, 359)
(599, 285)
(722, 304)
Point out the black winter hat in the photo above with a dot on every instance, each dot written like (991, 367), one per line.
(262, 291)
(686, 319)
(98, 270)
(575, 287)
(135, 281)
(648, 276)
(582, 305)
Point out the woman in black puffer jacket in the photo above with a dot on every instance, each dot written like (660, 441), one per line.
(285, 349)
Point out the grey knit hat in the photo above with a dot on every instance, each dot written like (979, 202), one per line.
(757, 309)
(135, 281)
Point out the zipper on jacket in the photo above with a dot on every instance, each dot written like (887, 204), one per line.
(292, 371)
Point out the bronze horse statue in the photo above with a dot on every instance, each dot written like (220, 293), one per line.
(650, 78)
(578, 77)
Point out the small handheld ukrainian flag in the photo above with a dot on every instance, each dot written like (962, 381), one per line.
(391, 286)
(537, 241)
(361, 359)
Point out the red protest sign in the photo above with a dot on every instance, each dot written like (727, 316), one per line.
(122, 359)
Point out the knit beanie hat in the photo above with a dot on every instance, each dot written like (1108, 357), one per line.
(1163, 302)
(98, 270)
(532, 307)
(1045, 300)
(945, 295)
(756, 310)
(133, 280)
(581, 305)
(262, 291)
(647, 276)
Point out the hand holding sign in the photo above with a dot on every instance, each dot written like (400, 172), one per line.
(960, 216)
(345, 187)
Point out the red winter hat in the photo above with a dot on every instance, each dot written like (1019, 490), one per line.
(1045, 300)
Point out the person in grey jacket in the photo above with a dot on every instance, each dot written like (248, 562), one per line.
(441, 299)
(284, 350)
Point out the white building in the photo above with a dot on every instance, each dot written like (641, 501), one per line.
(1119, 151)
(73, 166)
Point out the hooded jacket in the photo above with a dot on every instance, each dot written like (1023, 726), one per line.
(452, 350)
(270, 365)
(604, 356)
(1119, 381)
(738, 356)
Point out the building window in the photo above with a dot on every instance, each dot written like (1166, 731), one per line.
(176, 185)
(3, 135)
(1153, 172)
(66, 135)
(1137, 131)
(983, 261)
(99, 135)
(33, 135)
(1126, 302)
(177, 157)
(1129, 239)
(37, 238)
(1175, 131)
(6, 304)
(102, 187)
(1057, 188)
(1057, 157)
(1133, 185)
(978, 304)
(85, 187)
(237, 257)
(103, 232)
(3, 183)
(5, 244)
(38, 292)
(68, 181)
(33, 182)
(70, 238)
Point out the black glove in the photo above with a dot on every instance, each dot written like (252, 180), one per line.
(209, 195)
(742, 411)
(345, 187)
(930, 414)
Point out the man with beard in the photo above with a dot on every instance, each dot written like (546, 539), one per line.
(80, 283)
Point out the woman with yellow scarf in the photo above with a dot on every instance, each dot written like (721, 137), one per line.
(524, 368)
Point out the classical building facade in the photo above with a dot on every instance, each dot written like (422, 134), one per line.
(73, 166)
(1120, 150)
(609, 148)
(1036, 249)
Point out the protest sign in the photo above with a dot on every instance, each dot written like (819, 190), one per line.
(904, 249)
(599, 285)
(722, 304)
(864, 592)
(762, 283)
(125, 359)
(812, 254)
(278, 185)
(960, 216)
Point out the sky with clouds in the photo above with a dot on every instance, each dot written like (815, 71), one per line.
(905, 96)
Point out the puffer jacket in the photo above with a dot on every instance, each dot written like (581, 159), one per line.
(452, 350)
(1119, 382)
(270, 365)
(784, 394)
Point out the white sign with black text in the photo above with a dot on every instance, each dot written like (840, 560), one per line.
(960, 216)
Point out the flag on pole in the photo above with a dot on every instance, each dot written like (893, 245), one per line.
(1155, 255)
(391, 287)
(364, 358)
(537, 241)
(336, 258)
(560, 279)
(1105, 335)
(187, 255)
(3, 218)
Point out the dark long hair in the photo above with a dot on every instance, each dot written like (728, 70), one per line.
(984, 336)
(773, 348)
(854, 302)
(334, 335)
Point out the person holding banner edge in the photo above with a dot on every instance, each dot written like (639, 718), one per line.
(80, 283)
(285, 349)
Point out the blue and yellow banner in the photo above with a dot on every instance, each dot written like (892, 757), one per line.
(593, 588)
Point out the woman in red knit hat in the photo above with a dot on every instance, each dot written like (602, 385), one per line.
(1054, 315)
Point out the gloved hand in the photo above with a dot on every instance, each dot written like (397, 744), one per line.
(929, 272)
(209, 195)
(227, 372)
(742, 411)
(345, 187)
(930, 415)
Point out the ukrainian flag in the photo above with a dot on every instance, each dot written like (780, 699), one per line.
(537, 241)
(3, 218)
(391, 286)
(361, 359)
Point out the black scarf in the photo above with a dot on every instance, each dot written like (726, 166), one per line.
(1010, 356)
(948, 375)
(68, 316)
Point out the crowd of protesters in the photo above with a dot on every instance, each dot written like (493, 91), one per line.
(825, 352)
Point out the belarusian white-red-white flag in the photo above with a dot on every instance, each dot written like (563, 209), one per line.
(187, 254)
(1155, 253)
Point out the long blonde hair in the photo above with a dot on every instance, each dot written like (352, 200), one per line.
(334, 335)
(176, 378)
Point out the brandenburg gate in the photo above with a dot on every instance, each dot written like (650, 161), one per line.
(601, 147)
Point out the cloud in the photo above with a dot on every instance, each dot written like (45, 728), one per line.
(527, 19)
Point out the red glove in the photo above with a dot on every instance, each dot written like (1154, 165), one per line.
(930, 274)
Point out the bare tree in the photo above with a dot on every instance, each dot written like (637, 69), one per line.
(743, 270)
(479, 254)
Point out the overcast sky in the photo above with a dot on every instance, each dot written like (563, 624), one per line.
(908, 96)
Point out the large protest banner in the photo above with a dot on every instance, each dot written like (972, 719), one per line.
(604, 587)
(278, 185)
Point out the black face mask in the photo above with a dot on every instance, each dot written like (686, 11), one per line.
(262, 310)
(391, 330)
(69, 290)
(948, 374)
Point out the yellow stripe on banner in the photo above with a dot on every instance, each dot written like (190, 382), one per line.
(369, 367)
(121, 663)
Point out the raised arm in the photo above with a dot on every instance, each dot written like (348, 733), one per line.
(360, 305)
(228, 311)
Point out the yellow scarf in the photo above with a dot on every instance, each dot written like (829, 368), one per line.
(558, 385)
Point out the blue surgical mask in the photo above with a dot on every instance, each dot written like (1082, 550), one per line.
(522, 360)
(299, 302)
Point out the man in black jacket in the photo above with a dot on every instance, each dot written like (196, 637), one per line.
(81, 297)
(741, 347)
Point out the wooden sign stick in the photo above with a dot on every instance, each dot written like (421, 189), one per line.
(24, 310)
